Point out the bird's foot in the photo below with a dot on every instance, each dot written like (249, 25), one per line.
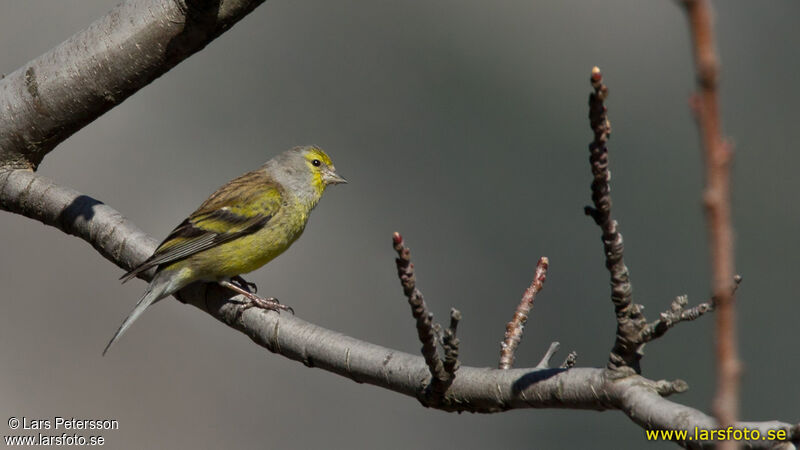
(254, 301)
(270, 303)
(244, 284)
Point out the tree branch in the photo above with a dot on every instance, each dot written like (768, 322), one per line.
(480, 390)
(717, 199)
(63, 90)
(678, 313)
(450, 344)
(515, 327)
(427, 329)
(628, 345)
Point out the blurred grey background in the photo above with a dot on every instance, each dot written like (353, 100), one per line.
(462, 124)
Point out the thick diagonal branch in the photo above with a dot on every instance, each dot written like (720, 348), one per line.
(61, 91)
(475, 389)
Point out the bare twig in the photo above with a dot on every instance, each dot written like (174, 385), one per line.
(426, 328)
(627, 350)
(678, 313)
(514, 328)
(570, 360)
(544, 363)
(450, 344)
(718, 210)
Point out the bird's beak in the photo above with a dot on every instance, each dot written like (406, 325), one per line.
(331, 177)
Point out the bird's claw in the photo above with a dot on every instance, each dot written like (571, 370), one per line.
(253, 300)
(244, 284)
(269, 304)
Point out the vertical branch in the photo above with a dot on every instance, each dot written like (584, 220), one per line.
(718, 210)
(450, 344)
(426, 328)
(627, 350)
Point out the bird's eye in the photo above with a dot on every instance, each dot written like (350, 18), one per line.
(316, 163)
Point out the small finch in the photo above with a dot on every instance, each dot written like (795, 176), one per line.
(242, 226)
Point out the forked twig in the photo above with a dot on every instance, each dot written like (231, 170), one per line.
(442, 374)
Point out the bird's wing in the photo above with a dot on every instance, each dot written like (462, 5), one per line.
(241, 207)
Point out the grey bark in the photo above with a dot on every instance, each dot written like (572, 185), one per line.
(50, 98)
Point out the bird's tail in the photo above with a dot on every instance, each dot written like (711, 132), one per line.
(157, 290)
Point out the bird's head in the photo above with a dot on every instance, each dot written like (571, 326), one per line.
(307, 171)
(321, 167)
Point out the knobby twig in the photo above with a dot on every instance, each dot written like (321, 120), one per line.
(570, 360)
(633, 331)
(515, 327)
(678, 313)
(627, 350)
(441, 378)
(475, 389)
(450, 344)
(718, 211)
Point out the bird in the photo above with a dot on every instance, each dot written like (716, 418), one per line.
(242, 226)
